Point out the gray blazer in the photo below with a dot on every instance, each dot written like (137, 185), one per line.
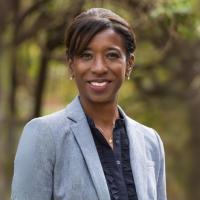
(57, 159)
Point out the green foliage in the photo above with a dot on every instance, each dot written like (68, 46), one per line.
(182, 13)
(170, 7)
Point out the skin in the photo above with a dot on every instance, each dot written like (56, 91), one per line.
(99, 73)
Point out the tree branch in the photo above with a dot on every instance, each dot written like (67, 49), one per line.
(30, 10)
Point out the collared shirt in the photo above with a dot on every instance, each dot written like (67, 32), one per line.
(115, 162)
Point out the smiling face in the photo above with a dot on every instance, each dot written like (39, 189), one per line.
(100, 69)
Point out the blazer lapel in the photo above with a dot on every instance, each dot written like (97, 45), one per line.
(137, 156)
(85, 140)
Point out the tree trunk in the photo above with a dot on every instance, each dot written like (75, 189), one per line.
(191, 72)
(40, 85)
(13, 80)
(194, 145)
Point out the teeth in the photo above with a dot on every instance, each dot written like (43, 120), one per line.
(98, 84)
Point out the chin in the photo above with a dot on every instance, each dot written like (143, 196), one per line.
(102, 99)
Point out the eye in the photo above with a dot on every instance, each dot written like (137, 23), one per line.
(113, 55)
(86, 55)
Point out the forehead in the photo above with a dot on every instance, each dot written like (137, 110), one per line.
(107, 38)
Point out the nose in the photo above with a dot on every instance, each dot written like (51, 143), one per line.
(99, 66)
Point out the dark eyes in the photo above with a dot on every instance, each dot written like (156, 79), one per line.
(86, 55)
(113, 55)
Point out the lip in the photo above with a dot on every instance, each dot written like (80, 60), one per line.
(99, 85)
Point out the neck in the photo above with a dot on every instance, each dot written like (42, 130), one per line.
(103, 114)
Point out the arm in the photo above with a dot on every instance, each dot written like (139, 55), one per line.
(34, 162)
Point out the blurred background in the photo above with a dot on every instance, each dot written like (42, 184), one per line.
(163, 92)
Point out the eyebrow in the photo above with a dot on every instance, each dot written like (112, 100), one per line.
(115, 48)
(109, 48)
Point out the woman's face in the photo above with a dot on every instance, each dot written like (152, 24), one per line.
(100, 69)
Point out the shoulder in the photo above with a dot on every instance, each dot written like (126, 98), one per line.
(140, 130)
(50, 129)
(58, 120)
(48, 123)
(148, 133)
(41, 131)
(149, 137)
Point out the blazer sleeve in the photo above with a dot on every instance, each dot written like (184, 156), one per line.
(161, 180)
(34, 163)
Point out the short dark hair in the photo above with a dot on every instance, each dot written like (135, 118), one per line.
(87, 24)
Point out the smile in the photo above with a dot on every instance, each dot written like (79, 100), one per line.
(98, 84)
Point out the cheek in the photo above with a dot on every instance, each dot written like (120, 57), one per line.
(77, 71)
(122, 72)
(119, 69)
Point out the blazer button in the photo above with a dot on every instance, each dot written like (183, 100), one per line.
(118, 162)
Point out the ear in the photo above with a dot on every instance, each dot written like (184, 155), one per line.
(130, 65)
(70, 68)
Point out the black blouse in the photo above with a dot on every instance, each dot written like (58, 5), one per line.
(115, 162)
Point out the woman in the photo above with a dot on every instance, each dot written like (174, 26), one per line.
(92, 150)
